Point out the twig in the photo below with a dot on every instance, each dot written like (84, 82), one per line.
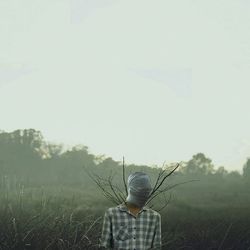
(227, 231)
(123, 175)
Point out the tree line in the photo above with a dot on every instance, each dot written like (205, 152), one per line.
(26, 155)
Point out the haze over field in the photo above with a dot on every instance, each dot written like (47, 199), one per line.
(150, 80)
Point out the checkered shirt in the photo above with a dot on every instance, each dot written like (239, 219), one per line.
(123, 230)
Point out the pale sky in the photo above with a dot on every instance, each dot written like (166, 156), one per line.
(153, 81)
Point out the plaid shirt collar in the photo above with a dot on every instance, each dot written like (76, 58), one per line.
(124, 208)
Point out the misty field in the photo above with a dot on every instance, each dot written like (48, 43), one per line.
(68, 218)
(48, 201)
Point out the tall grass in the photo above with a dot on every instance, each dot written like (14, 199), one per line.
(58, 217)
(32, 218)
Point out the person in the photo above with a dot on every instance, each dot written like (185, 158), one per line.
(132, 225)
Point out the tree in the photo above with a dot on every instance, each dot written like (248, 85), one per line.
(21, 150)
(246, 170)
(221, 172)
(234, 175)
(54, 150)
(199, 165)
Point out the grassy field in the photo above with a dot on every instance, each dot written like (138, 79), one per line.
(53, 217)
(48, 200)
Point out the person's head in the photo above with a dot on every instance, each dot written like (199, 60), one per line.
(139, 189)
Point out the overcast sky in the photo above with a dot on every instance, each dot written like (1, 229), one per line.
(153, 81)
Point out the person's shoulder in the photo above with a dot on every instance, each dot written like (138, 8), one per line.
(153, 212)
(112, 210)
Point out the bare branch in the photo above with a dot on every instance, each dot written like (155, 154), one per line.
(157, 186)
(158, 179)
(97, 179)
(166, 203)
(114, 191)
(123, 175)
(166, 189)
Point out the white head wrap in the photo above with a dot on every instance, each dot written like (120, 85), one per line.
(139, 189)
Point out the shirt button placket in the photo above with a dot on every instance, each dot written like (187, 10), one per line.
(134, 234)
